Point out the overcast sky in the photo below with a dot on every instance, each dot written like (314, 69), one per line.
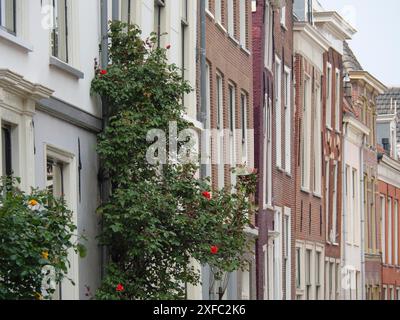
(377, 42)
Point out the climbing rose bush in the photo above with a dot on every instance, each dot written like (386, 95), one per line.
(36, 233)
(159, 218)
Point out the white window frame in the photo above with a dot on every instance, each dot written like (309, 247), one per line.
(4, 17)
(288, 120)
(335, 203)
(218, 11)
(337, 100)
(267, 159)
(244, 110)
(287, 252)
(282, 13)
(231, 18)
(329, 96)
(278, 254)
(268, 47)
(306, 136)
(278, 112)
(232, 130)
(327, 197)
(70, 291)
(243, 23)
(300, 271)
(396, 233)
(383, 227)
(317, 144)
(390, 232)
(220, 129)
(127, 11)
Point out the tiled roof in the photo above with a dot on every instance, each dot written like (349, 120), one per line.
(350, 61)
(385, 105)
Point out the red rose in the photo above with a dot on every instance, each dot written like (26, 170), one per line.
(120, 288)
(103, 72)
(214, 250)
(207, 195)
(168, 47)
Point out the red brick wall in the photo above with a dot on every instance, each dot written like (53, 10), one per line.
(332, 142)
(390, 272)
(284, 184)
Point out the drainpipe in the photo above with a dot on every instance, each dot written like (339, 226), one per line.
(203, 117)
(362, 219)
(104, 179)
(344, 207)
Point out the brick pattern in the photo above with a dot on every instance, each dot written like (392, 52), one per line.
(234, 64)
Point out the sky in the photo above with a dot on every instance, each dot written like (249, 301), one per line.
(377, 41)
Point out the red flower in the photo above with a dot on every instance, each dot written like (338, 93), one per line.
(103, 72)
(120, 288)
(168, 47)
(207, 195)
(214, 249)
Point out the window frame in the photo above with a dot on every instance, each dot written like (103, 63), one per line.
(3, 15)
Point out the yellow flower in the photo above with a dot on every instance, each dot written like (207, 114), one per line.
(33, 203)
(38, 296)
(45, 255)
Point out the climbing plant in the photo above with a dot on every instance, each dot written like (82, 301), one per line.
(160, 217)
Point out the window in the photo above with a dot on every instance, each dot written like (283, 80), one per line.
(396, 233)
(288, 122)
(220, 127)
(267, 161)
(287, 251)
(383, 228)
(298, 268)
(283, 16)
(398, 294)
(389, 233)
(61, 181)
(337, 101)
(8, 15)
(329, 96)
(318, 261)
(385, 293)
(218, 11)
(308, 274)
(243, 23)
(6, 151)
(59, 35)
(243, 104)
(268, 18)
(317, 144)
(327, 197)
(331, 280)
(306, 136)
(184, 35)
(334, 205)
(338, 278)
(159, 19)
(278, 112)
(356, 213)
(278, 255)
(231, 18)
(246, 283)
(232, 126)
(391, 293)
(127, 10)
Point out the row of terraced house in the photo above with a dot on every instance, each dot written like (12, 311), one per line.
(280, 77)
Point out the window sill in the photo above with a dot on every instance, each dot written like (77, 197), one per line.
(20, 43)
(305, 190)
(329, 128)
(268, 207)
(317, 195)
(208, 12)
(280, 169)
(220, 26)
(289, 174)
(284, 27)
(232, 37)
(247, 51)
(54, 62)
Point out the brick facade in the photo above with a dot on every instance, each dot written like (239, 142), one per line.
(232, 61)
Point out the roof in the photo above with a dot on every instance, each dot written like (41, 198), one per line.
(385, 104)
(350, 60)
